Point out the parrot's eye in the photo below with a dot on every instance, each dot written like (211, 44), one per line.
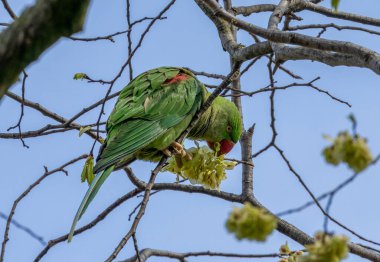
(229, 129)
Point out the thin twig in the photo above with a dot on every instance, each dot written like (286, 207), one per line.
(201, 73)
(328, 193)
(141, 212)
(136, 247)
(9, 9)
(129, 38)
(332, 25)
(281, 152)
(149, 252)
(18, 125)
(50, 114)
(106, 37)
(100, 217)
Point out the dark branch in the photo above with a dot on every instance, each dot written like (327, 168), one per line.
(33, 32)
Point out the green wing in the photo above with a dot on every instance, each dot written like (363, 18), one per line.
(90, 194)
(146, 109)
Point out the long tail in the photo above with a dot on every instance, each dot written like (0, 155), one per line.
(91, 193)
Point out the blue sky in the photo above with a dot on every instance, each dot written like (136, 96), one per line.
(173, 220)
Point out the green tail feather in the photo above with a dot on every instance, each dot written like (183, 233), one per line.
(91, 193)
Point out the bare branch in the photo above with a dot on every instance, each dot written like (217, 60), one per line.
(213, 9)
(248, 10)
(341, 15)
(66, 123)
(332, 25)
(18, 125)
(91, 39)
(148, 252)
(141, 212)
(281, 152)
(199, 73)
(100, 217)
(328, 193)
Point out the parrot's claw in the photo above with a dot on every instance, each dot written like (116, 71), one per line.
(178, 159)
(178, 149)
(177, 146)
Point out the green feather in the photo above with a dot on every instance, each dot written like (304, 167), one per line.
(90, 194)
(149, 115)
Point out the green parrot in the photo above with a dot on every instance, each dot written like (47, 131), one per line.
(150, 114)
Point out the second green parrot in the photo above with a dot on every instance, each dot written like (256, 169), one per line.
(151, 113)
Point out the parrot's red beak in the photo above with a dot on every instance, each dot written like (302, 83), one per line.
(225, 146)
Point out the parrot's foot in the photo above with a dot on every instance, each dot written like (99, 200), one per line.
(178, 159)
(180, 151)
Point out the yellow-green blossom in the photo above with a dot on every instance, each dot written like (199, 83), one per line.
(249, 222)
(204, 168)
(347, 149)
(87, 172)
(326, 249)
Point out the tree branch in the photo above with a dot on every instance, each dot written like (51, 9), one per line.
(369, 58)
(149, 252)
(33, 32)
(341, 15)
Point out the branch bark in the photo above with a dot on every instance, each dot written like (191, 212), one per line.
(33, 32)
(150, 252)
(222, 19)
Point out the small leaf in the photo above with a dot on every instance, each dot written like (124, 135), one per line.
(284, 249)
(80, 76)
(87, 172)
(335, 4)
(84, 129)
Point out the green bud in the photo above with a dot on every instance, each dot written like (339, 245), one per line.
(80, 76)
(284, 249)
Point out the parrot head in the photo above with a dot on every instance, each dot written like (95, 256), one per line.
(226, 126)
